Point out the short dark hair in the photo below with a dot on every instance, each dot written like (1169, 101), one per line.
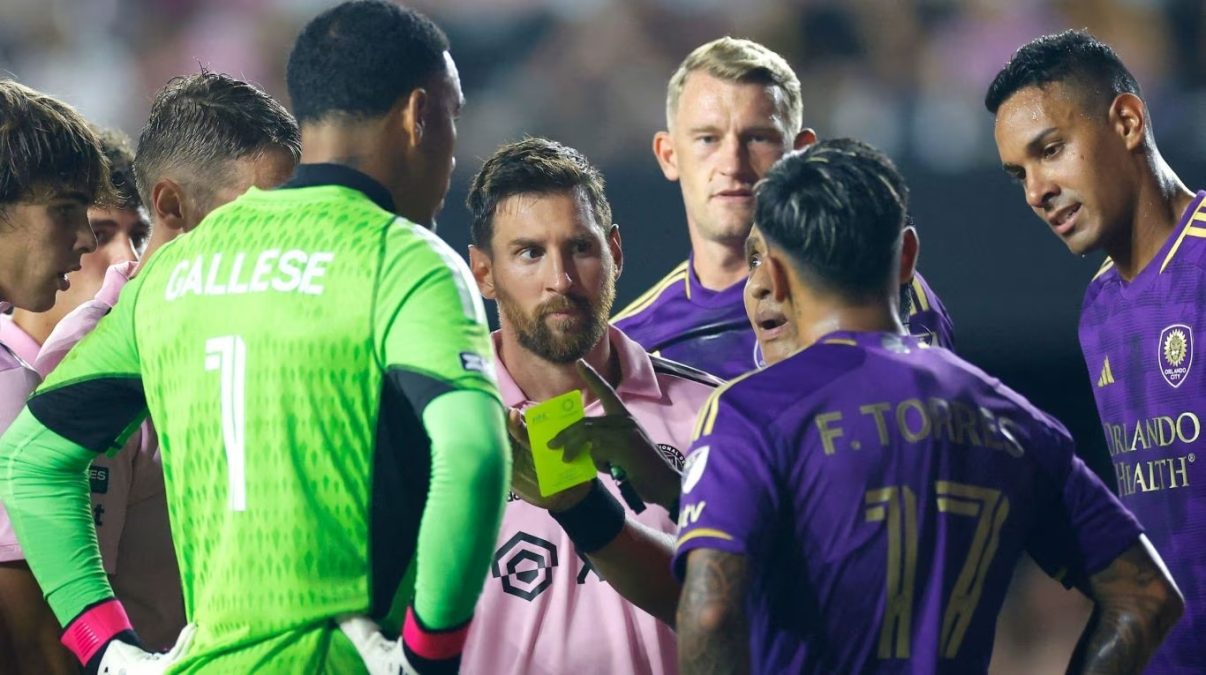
(201, 122)
(1074, 57)
(47, 146)
(116, 147)
(358, 58)
(837, 209)
(532, 166)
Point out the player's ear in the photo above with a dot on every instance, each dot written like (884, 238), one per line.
(663, 150)
(411, 115)
(483, 271)
(804, 139)
(617, 250)
(910, 249)
(168, 208)
(1129, 119)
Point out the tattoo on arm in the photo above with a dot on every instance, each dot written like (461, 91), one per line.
(1136, 607)
(712, 632)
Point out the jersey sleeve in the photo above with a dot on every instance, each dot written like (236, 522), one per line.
(432, 340)
(728, 498)
(1083, 527)
(87, 405)
(430, 327)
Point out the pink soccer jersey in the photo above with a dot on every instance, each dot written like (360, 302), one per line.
(129, 504)
(17, 381)
(544, 609)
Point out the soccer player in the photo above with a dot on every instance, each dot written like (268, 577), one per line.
(208, 139)
(733, 108)
(333, 444)
(1073, 130)
(860, 505)
(53, 169)
(121, 232)
(545, 249)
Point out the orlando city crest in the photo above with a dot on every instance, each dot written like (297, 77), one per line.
(1175, 353)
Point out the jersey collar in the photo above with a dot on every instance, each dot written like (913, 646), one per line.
(310, 175)
(637, 377)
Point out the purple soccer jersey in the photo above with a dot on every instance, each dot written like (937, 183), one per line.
(883, 492)
(1139, 341)
(681, 320)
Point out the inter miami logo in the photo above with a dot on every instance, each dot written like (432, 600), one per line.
(1175, 353)
(672, 455)
(525, 565)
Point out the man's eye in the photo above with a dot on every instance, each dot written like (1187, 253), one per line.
(1052, 150)
(530, 253)
(754, 260)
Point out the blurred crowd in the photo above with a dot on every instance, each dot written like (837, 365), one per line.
(906, 75)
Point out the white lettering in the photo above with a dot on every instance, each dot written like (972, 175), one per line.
(316, 267)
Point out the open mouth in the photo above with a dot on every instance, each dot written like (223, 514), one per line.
(771, 322)
(1065, 219)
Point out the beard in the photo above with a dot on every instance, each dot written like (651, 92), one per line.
(561, 341)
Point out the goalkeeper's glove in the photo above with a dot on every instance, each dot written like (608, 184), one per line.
(102, 638)
(418, 652)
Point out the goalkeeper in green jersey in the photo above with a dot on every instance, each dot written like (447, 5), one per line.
(321, 376)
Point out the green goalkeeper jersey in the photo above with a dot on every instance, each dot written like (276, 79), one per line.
(287, 350)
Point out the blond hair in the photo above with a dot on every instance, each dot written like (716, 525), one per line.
(739, 60)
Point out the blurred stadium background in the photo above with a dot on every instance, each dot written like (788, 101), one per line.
(906, 75)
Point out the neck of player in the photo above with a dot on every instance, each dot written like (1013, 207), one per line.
(1162, 201)
(816, 315)
(364, 145)
(718, 264)
(540, 379)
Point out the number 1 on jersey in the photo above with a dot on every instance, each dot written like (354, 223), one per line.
(228, 355)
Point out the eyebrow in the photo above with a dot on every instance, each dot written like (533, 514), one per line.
(1031, 146)
(749, 246)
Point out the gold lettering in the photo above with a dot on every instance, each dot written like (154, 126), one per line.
(1138, 437)
(1175, 470)
(691, 514)
(1125, 485)
(940, 418)
(965, 422)
(1155, 480)
(1117, 432)
(1012, 446)
(881, 425)
(902, 420)
(988, 427)
(1197, 427)
(1139, 482)
(1166, 439)
(828, 433)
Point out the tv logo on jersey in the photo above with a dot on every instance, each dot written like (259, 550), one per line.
(1175, 353)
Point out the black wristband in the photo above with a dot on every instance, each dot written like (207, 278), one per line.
(593, 522)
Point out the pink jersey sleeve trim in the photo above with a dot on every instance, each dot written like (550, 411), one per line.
(430, 645)
(94, 628)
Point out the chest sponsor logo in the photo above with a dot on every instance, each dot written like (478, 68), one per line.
(98, 478)
(1175, 353)
(694, 468)
(524, 566)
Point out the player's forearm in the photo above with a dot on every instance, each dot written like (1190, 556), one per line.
(713, 637)
(470, 473)
(637, 565)
(1137, 605)
(44, 485)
